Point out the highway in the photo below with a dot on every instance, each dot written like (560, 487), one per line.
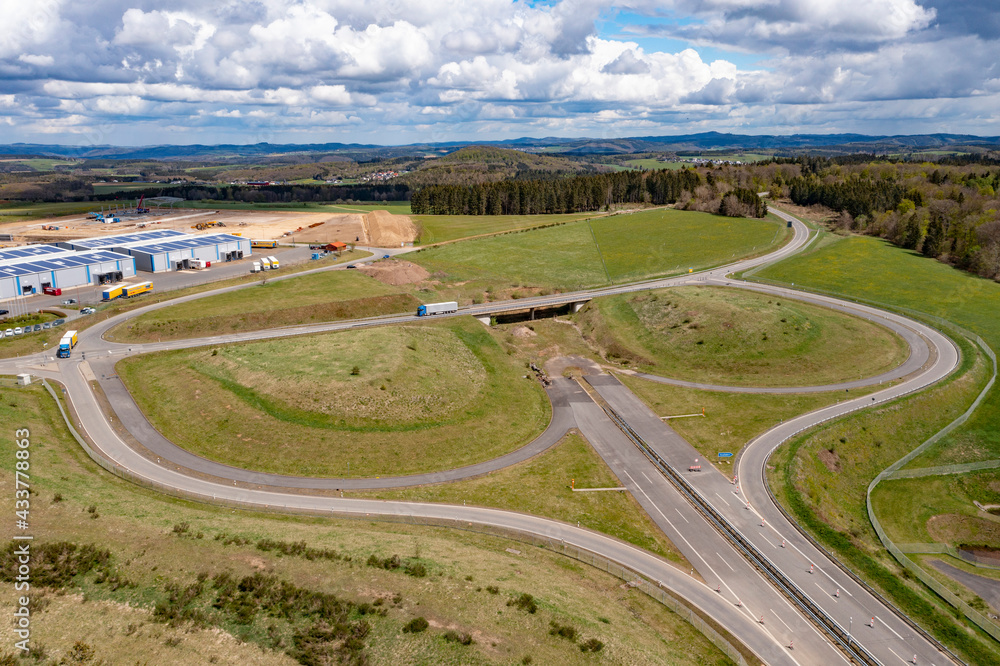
(738, 597)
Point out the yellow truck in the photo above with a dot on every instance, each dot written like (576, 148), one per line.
(131, 290)
(111, 293)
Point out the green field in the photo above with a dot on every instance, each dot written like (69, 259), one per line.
(440, 228)
(738, 338)
(386, 401)
(628, 247)
(325, 296)
(541, 486)
(159, 547)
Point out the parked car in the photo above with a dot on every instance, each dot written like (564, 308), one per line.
(46, 326)
(69, 301)
(18, 331)
(36, 328)
(351, 266)
(59, 322)
(385, 256)
(9, 332)
(88, 311)
(4, 312)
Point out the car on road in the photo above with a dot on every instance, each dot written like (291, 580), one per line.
(69, 301)
(3, 312)
(351, 266)
(87, 311)
(385, 256)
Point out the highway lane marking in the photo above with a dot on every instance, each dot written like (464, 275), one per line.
(825, 592)
(780, 620)
(888, 627)
(722, 498)
(681, 515)
(736, 596)
(727, 563)
(820, 569)
(897, 655)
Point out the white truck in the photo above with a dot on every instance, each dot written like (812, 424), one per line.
(265, 263)
(255, 268)
(274, 263)
(437, 308)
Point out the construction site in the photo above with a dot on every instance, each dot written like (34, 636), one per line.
(377, 228)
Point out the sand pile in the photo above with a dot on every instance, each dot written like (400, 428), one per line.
(395, 272)
(388, 230)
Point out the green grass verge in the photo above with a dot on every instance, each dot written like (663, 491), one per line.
(159, 547)
(541, 486)
(325, 296)
(618, 248)
(731, 419)
(425, 398)
(739, 338)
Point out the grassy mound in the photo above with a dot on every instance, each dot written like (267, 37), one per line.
(391, 401)
(727, 336)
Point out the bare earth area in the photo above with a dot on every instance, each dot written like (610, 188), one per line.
(379, 228)
(395, 272)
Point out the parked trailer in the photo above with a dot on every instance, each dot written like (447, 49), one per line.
(274, 262)
(135, 289)
(255, 268)
(263, 244)
(437, 308)
(265, 263)
(52, 291)
(66, 344)
(111, 293)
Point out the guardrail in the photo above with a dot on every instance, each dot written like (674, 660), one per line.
(715, 633)
(827, 624)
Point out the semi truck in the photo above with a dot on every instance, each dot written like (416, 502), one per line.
(130, 290)
(111, 293)
(437, 308)
(66, 344)
(261, 244)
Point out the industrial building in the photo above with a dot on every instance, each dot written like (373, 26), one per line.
(168, 250)
(29, 270)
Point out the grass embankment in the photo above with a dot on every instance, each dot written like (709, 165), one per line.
(541, 486)
(439, 228)
(822, 476)
(617, 248)
(386, 401)
(326, 296)
(738, 338)
(144, 603)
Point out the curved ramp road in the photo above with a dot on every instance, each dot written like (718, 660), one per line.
(932, 358)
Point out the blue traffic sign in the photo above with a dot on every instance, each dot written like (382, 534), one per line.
(723, 454)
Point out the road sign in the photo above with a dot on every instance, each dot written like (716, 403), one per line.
(725, 454)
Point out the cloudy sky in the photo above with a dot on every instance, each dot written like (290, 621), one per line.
(402, 71)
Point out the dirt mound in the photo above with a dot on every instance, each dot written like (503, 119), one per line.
(395, 272)
(388, 230)
(344, 228)
(523, 332)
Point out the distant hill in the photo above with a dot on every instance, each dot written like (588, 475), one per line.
(481, 164)
(554, 147)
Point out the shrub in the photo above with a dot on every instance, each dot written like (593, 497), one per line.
(562, 630)
(591, 645)
(493, 589)
(416, 569)
(415, 626)
(525, 602)
(456, 637)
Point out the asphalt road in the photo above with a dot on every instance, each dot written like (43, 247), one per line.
(766, 639)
